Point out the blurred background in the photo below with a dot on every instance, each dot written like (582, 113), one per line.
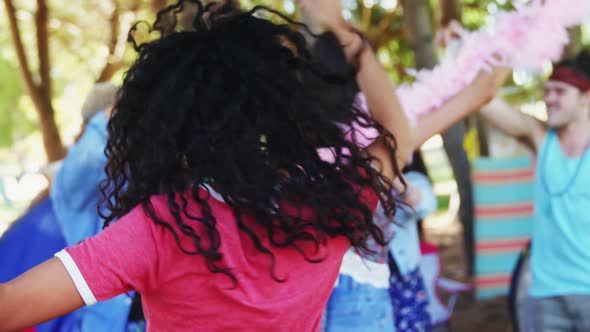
(52, 52)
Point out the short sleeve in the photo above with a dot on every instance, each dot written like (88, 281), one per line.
(120, 259)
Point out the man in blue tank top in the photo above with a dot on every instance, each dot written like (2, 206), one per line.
(560, 257)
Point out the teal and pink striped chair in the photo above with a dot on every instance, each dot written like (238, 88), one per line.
(503, 197)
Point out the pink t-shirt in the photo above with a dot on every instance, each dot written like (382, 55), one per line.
(178, 291)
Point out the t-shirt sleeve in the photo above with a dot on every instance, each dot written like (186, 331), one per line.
(120, 259)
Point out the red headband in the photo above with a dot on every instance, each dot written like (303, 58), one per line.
(570, 76)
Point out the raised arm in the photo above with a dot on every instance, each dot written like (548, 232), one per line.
(123, 257)
(384, 107)
(469, 100)
(373, 81)
(514, 123)
(498, 113)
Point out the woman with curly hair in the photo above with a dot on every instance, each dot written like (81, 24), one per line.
(224, 214)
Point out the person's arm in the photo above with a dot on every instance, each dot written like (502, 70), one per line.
(469, 100)
(122, 258)
(498, 113)
(41, 294)
(373, 81)
(514, 123)
(385, 108)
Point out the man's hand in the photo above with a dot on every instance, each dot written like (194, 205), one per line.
(488, 83)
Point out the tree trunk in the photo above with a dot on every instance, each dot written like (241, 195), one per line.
(575, 45)
(482, 134)
(113, 63)
(158, 4)
(450, 10)
(54, 148)
(418, 23)
(40, 93)
(41, 20)
(453, 141)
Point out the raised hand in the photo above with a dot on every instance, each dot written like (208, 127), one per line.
(326, 13)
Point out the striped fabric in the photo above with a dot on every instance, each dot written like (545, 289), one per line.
(503, 195)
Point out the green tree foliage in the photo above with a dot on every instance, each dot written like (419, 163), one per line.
(87, 43)
(12, 121)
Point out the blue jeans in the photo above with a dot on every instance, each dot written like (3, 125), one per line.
(355, 307)
(562, 313)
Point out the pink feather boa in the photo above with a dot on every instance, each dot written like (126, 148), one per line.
(525, 38)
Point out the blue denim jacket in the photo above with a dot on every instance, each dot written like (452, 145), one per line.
(405, 246)
(75, 196)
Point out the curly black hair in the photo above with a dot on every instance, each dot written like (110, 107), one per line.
(234, 101)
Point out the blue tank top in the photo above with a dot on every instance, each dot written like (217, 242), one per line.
(560, 257)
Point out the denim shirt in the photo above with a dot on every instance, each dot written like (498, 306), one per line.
(74, 189)
(405, 246)
(75, 196)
